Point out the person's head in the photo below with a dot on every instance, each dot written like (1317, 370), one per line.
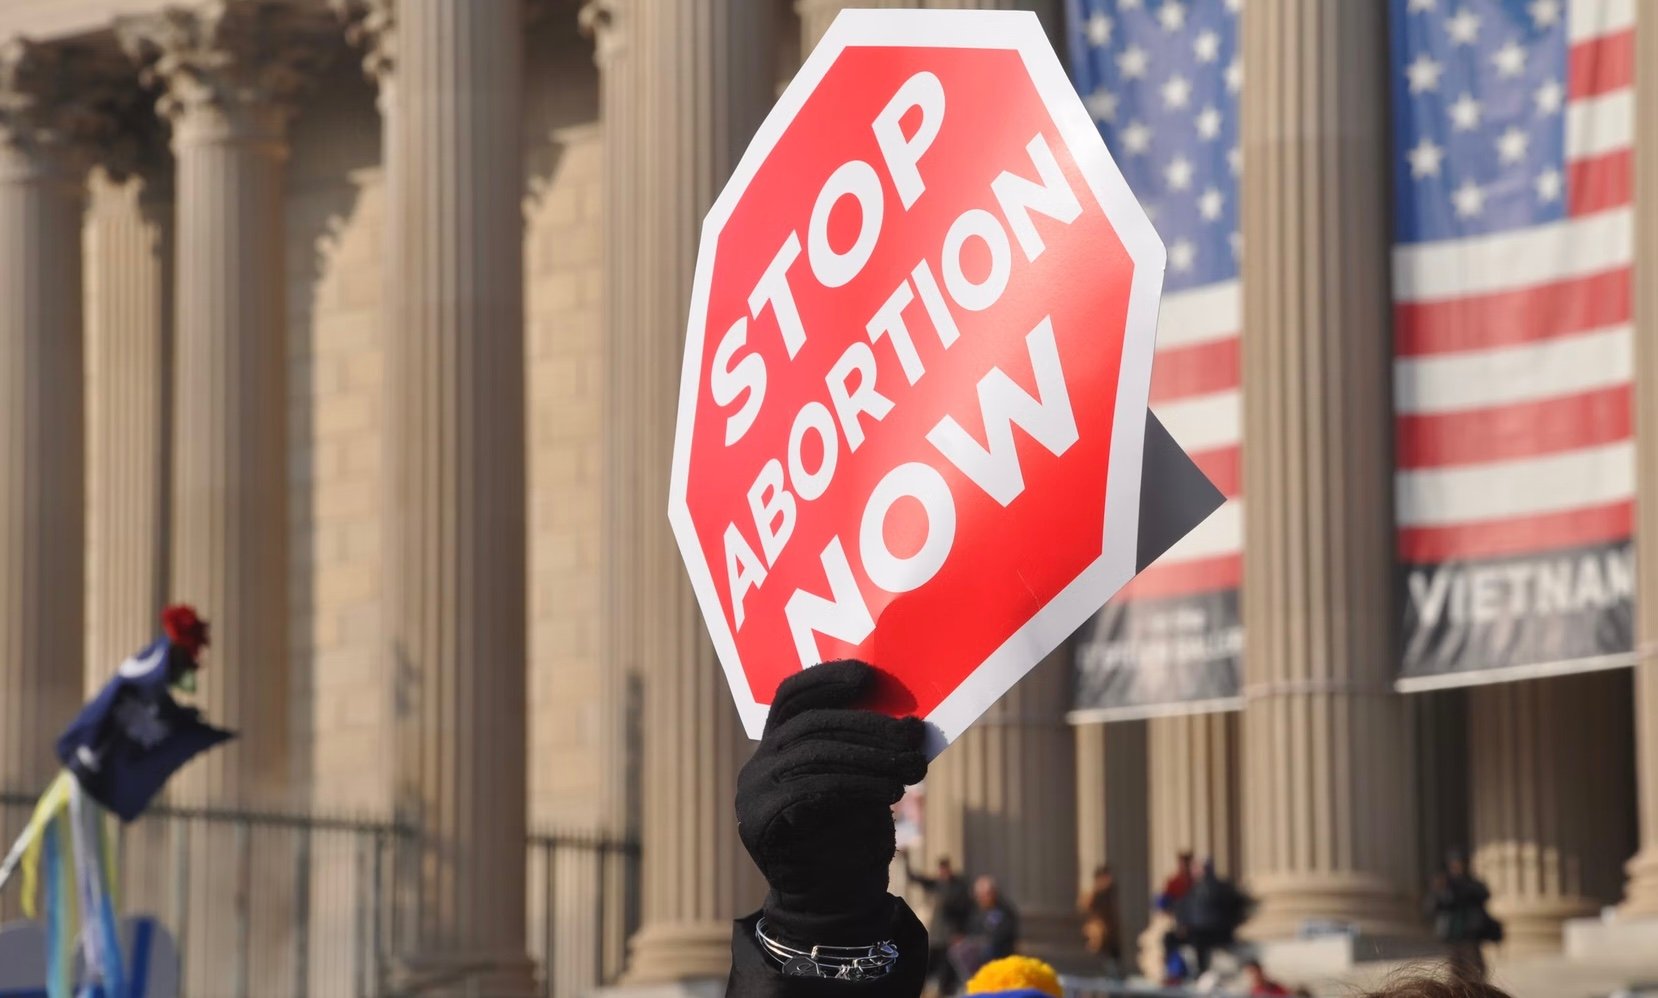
(1103, 876)
(1455, 863)
(1185, 862)
(1437, 986)
(945, 870)
(985, 891)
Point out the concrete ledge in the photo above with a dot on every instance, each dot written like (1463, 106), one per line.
(1337, 953)
(1610, 939)
(678, 989)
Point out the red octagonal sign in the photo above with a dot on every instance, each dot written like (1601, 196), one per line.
(916, 367)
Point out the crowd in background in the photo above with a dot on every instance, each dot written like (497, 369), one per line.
(973, 922)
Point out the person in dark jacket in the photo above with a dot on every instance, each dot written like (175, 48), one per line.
(952, 908)
(992, 931)
(1457, 899)
(1207, 918)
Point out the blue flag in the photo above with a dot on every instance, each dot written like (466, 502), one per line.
(133, 735)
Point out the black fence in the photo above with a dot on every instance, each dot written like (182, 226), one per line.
(271, 905)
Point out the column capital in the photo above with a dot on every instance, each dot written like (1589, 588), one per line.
(228, 70)
(371, 28)
(598, 21)
(57, 103)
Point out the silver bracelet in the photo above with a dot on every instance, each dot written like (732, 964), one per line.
(840, 963)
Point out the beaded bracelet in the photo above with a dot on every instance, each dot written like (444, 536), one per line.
(841, 963)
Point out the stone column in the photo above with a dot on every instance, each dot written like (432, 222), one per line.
(42, 528)
(1550, 771)
(620, 71)
(451, 91)
(1192, 791)
(1001, 801)
(129, 273)
(228, 73)
(1111, 817)
(689, 82)
(817, 15)
(1328, 808)
(1641, 895)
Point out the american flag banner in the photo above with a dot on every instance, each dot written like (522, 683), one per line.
(1161, 78)
(1512, 308)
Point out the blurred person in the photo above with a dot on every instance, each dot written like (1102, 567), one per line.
(1101, 927)
(952, 908)
(1178, 883)
(992, 930)
(1259, 984)
(1457, 900)
(1206, 918)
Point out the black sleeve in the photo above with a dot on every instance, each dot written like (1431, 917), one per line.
(928, 884)
(1007, 934)
(755, 975)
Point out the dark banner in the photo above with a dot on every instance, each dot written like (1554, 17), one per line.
(1511, 618)
(1152, 657)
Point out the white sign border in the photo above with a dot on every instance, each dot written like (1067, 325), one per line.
(1020, 31)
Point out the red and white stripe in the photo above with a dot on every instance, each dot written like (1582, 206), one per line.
(1512, 377)
(1195, 392)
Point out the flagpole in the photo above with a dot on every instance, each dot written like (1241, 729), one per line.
(37, 821)
(15, 856)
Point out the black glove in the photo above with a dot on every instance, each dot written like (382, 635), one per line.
(814, 806)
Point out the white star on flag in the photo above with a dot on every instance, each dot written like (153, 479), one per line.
(1511, 145)
(1179, 173)
(1549, 97)
(1465, 113)
(1208, 123)
(1207, 47)
(1425, 159)
(1545, 13)
(1182, 254)
(1464, 27)
(1234, 76)
(1172, 15)
(1136, 137)
(1099, 29)
(1132, 62)
(1469, 199)
(1418, 6)
(1211, 203)
(1177, 91)
(1102, 104)
(1510, 60)
(1548, 185)
(1423, 74)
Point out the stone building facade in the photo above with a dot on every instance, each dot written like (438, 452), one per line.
(356, 322)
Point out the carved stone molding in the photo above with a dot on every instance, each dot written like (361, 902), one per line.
(597, 19)
(58, 104)
(371, 28)
(231, 66)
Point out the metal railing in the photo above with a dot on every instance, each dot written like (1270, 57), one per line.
(272, 905)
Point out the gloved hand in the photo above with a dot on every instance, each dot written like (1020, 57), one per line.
(814, 805)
